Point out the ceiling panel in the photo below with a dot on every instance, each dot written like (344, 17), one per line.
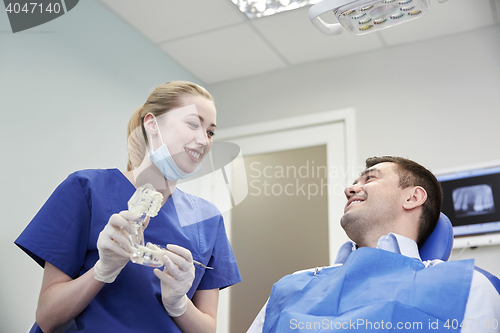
(453, 16)
(215, 42)
(224, 54)
(161, 20)
(298, 41)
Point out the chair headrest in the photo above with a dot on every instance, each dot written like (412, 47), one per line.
(440, 242)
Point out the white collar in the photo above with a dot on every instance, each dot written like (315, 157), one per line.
(391, 242)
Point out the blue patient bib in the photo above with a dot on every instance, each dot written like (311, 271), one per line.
(374, 291)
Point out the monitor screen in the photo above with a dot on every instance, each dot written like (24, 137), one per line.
(471, 199)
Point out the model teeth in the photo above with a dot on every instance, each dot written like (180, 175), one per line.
(145, 201)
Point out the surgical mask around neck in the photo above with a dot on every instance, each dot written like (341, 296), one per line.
(164, 161)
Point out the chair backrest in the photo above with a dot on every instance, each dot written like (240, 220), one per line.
(440, 243)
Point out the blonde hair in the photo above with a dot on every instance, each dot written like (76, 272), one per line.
(164, 98)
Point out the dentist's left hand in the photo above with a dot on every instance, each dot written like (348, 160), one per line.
(176, 279)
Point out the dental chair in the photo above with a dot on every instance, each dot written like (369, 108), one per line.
(440, 243)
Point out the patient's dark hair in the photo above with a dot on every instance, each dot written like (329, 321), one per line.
(413, 174)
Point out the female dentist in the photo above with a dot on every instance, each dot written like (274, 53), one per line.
(80, 235)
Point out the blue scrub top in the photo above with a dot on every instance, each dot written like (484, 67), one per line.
(65, 231)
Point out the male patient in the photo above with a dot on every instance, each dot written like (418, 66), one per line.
(378, 282)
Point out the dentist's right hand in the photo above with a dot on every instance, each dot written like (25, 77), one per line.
(176, 279)
(114, 246)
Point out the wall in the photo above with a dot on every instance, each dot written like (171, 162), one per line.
(67, 90)
(435, 101)
(441, 93)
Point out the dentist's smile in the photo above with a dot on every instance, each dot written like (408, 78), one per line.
(194, 154)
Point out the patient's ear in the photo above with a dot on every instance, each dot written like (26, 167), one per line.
(416, 197)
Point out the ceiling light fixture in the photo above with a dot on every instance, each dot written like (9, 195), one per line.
(259, 8)
(365, 16)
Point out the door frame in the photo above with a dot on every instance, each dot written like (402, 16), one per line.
(346, 175)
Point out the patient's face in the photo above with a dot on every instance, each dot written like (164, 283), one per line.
(373, 202)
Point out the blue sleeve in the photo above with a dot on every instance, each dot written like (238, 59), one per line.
(59, 232)
(225, 272)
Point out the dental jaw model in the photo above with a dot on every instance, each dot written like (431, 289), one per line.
(149, 255)
(146, 201)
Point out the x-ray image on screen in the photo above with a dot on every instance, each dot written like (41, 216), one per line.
(469, 198)
(473, 200)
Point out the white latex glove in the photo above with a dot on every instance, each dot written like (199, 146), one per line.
(176, 279)
(114, 246)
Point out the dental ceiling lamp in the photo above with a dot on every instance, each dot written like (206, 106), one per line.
(365, 16)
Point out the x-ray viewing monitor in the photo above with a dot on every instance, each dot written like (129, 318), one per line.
(471, 199)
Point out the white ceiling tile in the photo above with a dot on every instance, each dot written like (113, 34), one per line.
(161, 20)
(224, 54)
(216, 42)
(298, 41)
(443, 19)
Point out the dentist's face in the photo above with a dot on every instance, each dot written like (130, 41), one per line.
(187, 131)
